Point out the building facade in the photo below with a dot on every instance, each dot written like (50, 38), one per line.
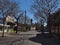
(55, 22)
(9, 23)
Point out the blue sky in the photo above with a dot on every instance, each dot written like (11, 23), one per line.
(26, 5)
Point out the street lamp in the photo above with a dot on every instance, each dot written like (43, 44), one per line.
(31, 22)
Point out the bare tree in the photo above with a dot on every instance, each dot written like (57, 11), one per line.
(44, 8)
(17, 17)
(24, 19)
(27, 20)
(7, 8)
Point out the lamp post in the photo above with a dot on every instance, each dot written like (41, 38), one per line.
(31, 22)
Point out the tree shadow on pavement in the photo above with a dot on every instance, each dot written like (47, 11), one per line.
(19, 41)
(45, 39)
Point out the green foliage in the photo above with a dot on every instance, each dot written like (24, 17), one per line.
(0, 28)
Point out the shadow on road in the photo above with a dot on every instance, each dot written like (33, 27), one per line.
(16, 42)
(11, 40)
(46, 40)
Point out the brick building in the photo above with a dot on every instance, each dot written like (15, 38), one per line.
(55, 22)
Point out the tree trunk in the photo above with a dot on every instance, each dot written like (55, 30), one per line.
(3, 32)
(49, 24)
(3, 27)
(58, 29)
(17, 26)
(49, 28)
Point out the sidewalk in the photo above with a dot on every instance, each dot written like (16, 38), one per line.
(29, 32)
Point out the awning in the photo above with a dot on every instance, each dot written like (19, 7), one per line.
(10, 23)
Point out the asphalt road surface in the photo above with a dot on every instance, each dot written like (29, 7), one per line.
(18, 39)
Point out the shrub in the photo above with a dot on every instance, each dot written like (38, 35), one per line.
(0, 28)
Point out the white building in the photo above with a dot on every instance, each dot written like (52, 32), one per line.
(9, 21)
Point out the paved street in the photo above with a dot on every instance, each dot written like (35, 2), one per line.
(19, 39)
(28, 38)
